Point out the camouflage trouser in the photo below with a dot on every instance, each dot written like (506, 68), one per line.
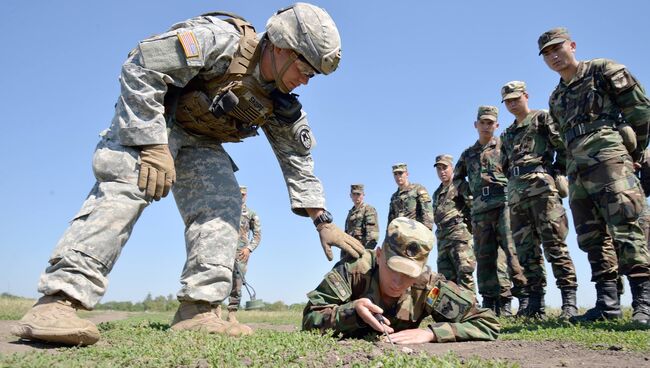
(542, 219)
(456, 261)
(644, 222)
(606, 201)
(207, 196)
(491, 230)
(238, 276)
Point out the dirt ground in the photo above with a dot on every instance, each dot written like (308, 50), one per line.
(532, 354)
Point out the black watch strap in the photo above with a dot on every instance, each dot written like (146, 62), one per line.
(324, 217)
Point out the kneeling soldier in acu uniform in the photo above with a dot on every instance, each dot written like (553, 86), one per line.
(537, 216)
(361, 222)
(486, 183)
(590, 103)
(456, 260)
(391, 290)
(185, 92)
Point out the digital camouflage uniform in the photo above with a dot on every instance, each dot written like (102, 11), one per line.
(249, 224)
(412, 202)
(456, 259)
(537, 216)
(455, 312)
(604, 194)
(361, 223)
(206, 191)
(486, 183)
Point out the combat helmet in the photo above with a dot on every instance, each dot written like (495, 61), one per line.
(309, 31)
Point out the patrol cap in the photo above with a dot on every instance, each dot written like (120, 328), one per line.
(444, 159)
(356, 188)
(487, 112)
(513, 89)
(399, 167)
(243, 189)
(552, 37)
(407, 246)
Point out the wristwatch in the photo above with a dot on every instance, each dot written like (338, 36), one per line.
(326, 217)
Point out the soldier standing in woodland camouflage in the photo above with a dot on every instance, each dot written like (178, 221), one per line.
(480, 163)
(590, 102)
(451, 211)
(249, 224)
(410, 200)
(361, 222)
(537, 216)
(184, 92)
(390, 290)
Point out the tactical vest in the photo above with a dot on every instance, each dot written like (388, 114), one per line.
(233, 106)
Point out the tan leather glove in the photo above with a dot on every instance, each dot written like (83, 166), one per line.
(157, 173)
(562, 185)
(332, 235)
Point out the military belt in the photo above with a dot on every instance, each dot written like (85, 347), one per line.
(585, 128)
(492, 190)
(523, 170)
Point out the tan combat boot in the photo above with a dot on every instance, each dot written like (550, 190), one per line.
(54, 319)
(200, 316)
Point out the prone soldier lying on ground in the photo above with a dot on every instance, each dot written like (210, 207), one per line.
(391, 290)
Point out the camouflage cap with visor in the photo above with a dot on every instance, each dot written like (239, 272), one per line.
(513, 89)
(487, 112)
(407, 246)
(399, 167)
(552, 37)
(444, 159)
(356, 188)
(243, 189)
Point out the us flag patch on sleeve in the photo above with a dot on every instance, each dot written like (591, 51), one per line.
(189, 43)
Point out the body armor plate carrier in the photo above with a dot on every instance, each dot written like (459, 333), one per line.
(233, 106)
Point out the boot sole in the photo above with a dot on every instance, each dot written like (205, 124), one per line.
(66, 337)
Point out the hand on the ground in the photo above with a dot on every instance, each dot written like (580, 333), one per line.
(157, 172)
(366, 309)
(244, 254)
(412, 336)
(332, 235)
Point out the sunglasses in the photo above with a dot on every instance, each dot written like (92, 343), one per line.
(304, 67)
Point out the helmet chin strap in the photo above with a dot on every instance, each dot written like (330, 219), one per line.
(278, 75)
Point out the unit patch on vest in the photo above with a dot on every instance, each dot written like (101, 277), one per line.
(189, 43)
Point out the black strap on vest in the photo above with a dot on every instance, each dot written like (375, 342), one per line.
(523, 170)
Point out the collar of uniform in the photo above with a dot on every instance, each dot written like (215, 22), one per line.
(582, 68)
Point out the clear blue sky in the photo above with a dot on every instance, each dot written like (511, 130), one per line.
(411, 78)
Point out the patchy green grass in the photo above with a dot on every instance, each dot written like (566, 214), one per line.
(13, 307)
(616, 335)
(148, 343)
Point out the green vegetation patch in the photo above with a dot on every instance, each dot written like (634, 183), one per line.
(13, 307)
(150, 343)
(615, 335)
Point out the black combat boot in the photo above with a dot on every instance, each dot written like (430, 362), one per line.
(523, 304)
(569, 306)
(505, 307)
(536, 307)
(607, 304)
(640, 300)
(491, 304)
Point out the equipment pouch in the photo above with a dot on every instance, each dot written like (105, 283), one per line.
(286, 106)
(223, 103)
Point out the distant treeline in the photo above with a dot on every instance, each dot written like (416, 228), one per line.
(169, 303)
